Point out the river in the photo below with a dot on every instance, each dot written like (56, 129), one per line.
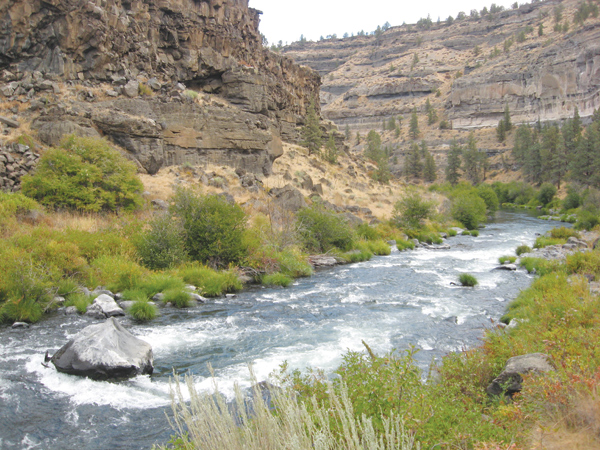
(391, 302)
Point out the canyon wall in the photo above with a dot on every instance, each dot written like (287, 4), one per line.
(171, 81)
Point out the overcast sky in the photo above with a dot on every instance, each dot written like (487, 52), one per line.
(286, 20)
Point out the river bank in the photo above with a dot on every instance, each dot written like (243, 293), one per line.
(390, 302)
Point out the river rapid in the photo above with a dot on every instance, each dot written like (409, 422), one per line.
(390, 302)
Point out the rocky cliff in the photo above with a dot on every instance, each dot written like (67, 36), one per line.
(171, 81)
(470, 69)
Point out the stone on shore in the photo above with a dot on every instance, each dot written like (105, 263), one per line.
(510, 380)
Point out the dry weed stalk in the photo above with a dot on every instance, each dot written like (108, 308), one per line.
(250, 424)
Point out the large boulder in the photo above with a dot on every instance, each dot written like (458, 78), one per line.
(103, 351)
(510, 380)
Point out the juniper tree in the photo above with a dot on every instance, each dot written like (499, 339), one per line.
(414, 125)
(471, 159)
(312, 137)
(453, 167)
(413, 166)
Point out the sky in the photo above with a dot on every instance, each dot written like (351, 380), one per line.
(287, 20)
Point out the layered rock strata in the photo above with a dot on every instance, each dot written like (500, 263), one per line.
(171, 81)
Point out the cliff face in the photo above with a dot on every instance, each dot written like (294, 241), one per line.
(172, 81)
(467, 69)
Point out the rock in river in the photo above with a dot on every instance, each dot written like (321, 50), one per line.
(105, 350)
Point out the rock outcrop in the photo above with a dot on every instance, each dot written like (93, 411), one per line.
(104, 351)
(171, 81)
(470, 69)
(16, 160)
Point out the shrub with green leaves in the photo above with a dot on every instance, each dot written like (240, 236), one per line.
(487, 193)
(412, 210)
(84, 174)
(322, 230)
(163, 245)
(403, 244)
(214, 228)
(563, 233)
(466, 279)
(469, 209)
(546, 193)
(474, 233)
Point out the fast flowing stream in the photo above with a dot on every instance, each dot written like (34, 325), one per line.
(390, 302)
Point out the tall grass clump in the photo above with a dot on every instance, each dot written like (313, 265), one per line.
(522, 249)
(468, 280)
(180, 298)
(210, 282)
(79, 301)
(142, 311)
(276, 279)
(208, 422)
(403, 244)
(159, 282)
(86, 174)
(507, 259)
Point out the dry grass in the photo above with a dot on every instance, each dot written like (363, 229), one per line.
(249, 424)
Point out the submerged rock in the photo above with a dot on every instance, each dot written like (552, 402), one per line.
(103, 351)
(506, 267)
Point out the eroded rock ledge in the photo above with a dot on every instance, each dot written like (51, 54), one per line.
(100, 56)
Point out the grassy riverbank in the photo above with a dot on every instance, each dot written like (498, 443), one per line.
(373, 394)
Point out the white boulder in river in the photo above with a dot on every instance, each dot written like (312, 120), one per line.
(105, 350)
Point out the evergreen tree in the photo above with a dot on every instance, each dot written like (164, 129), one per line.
(330, 154)
(501, 131)
(533, 163)
(347, 134)
(453, 167)
(357, 138)
(430, 169)
(413, 166)
(507, 122)
(392, 123)
(373, 150)
(553, 155)
(312, 137)
(431, 113)
(471, 159)
(523, 142)
(414, 125)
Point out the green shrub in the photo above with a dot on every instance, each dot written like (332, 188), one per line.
(214, 228)
(468, 280)
(521, 249)
(143, 310)
(276, 279)
(14, 204)
(322, 230)
(412, 210)
(366, 231)
(180, 298)
(210, 282)
(465, 233)
(507, 259)
(584, 263)
(403, 244)
(563, 233)
(487, 193)
(587, 220)
(546, 193)
(84, 174)
(474, 233)
(452, 232)
(539, 266)
(135, 295)
(469, 209)
(163, 245)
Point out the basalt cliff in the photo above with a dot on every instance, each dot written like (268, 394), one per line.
(170, 81)
(469, 68)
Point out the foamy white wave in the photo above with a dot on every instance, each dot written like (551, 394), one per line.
(426, 344)
(137, 393)
(356, 298)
